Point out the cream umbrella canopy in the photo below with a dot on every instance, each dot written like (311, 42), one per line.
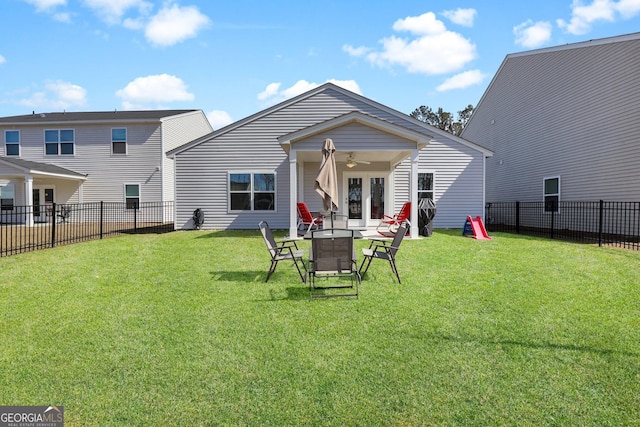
(327, 180)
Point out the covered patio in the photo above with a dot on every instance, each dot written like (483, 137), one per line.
(368, 152)
(28, 183)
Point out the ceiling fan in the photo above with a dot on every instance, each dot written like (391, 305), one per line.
(351, 161)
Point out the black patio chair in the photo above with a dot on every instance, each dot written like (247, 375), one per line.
(285, 250)
(64, 212)
(384, 249)
(332, 255)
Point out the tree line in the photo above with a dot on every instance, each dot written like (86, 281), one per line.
(443, 119)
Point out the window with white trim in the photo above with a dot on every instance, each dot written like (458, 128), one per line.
(252, 191)
(551, 191)
(12, 142)
(7, 194)
(425, 185)
(132, 196)
(119, 141)
(59, 141)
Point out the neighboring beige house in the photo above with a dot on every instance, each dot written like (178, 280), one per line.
(564, 123)
(115, 156)
(259, 167)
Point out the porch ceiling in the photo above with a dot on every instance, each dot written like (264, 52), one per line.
(392, 156)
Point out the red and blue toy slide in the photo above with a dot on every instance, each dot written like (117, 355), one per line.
(475, 227)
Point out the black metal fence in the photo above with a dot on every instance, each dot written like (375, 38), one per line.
(28, 228)
(604, 223)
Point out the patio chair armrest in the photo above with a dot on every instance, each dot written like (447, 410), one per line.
(378, 242)
(285, 247)
(388, 248)
(289, 241)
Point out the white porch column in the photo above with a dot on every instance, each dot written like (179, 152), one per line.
(293, 195)
(28, 197)
(413, 187)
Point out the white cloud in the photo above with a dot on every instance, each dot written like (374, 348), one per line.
(155, 91)
(219, 119)
(57, 95)
(531, 35)
(46, 5)
(2, 59)
(355, 51)
(462, 80)
(50, 6)
(461, 16)
(112, 11)
(432, 50)
(269, 91)
(174, 24)
(628, 8)
(63, 17)
(582, 16)
(272, 94)
(423, 24)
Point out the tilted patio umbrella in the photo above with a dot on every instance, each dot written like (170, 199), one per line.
(327, 180)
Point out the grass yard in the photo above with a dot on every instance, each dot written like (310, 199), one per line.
(180, 329)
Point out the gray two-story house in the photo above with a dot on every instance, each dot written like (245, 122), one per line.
(82, 157)
(563, 123)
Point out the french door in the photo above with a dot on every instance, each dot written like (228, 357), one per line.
(43, 198)
(365, 197)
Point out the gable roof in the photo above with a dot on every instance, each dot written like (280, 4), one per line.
(92, 117)
(411, 122)
(37, 168)
(421, 139)
(553, 60)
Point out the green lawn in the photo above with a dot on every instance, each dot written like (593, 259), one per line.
(180, 329)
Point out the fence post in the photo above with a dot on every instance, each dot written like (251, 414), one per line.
(553, 217)
(600, 222)
(135, 219)
(517, 217)
(53, 225)
(101, 217)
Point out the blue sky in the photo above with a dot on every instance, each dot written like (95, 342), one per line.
(233, 59)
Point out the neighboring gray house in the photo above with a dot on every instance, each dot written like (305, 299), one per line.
(82, 157)
(564, 123)
(259, 167)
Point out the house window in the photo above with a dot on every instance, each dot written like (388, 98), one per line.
(132, 196)
(119, 141)
(59, 141)
(6, 197)
(425, 185)
(12, 142)
(551, 193)
(252, 191)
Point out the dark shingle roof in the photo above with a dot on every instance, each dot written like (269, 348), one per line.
(93, 116)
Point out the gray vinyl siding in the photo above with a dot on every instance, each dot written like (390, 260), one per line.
(107, 173)
(571, 112)
(177, 130)
(144, 164)
(251, 145)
